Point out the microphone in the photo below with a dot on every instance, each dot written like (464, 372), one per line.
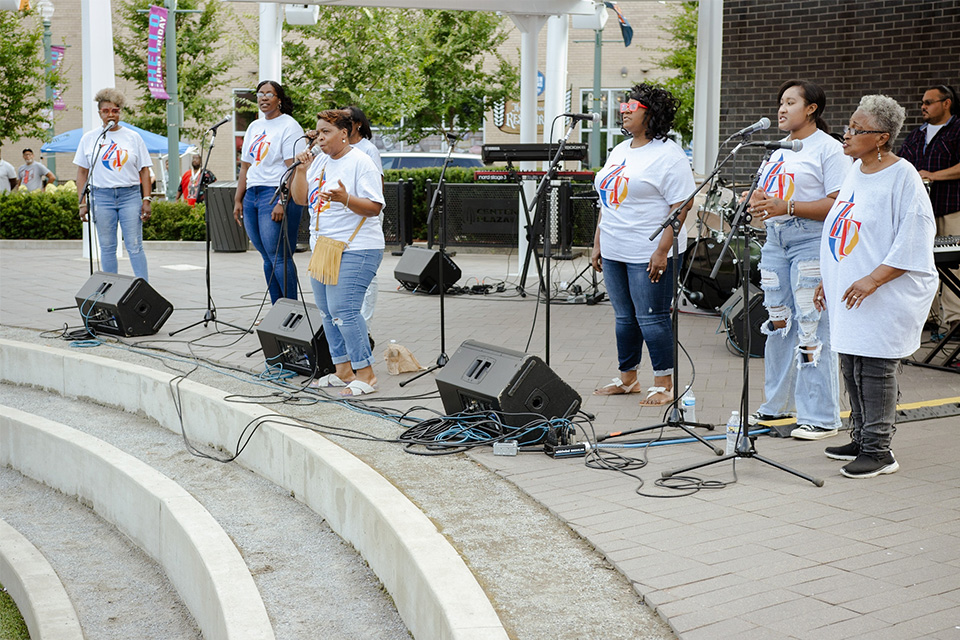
(222, 122)
(593, 117)
(452, 136)
(792, 145)
(110, 125)
(315, 150)
(762, 123)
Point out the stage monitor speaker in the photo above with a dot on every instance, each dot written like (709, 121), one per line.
(291, 335)
(122, 305)
(482, 377)
(732, 313)
(419, 270)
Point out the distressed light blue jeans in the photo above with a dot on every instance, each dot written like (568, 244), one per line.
(801, 371)
(340, 303)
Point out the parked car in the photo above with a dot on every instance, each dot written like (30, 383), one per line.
(418, 160)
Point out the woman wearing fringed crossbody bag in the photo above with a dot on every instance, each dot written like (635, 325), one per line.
(344, 194)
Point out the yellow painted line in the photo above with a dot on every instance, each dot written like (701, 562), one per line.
(846, 414)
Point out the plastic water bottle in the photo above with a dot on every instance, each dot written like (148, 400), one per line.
(688, 405)
(733, 428)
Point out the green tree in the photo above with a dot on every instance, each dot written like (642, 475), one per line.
(422, 72)
(24, 109)
(354, 56)
(682, 58)
(205, 54)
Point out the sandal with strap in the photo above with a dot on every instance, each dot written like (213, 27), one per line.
(652, 391)
(357, 388)
(609, 390)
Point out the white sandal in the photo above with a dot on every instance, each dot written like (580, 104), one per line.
(328, 381)
(618, 383)
(652, 391)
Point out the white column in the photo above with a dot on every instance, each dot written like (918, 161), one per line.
(96, 53)
(558, 31)
(706, 103)
(529, 27)
(271, 41)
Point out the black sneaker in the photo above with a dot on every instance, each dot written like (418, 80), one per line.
(849, 451)
(866, 466)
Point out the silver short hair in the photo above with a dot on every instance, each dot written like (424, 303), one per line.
(110, 95)
(886, 113)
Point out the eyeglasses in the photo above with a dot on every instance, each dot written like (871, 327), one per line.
(266, 95)
(927, 103)
(856, 132)
(631, 106)
(113, 111)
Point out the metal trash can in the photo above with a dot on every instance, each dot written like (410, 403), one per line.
(225, 234)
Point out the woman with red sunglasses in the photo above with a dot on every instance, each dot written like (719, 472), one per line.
(643, 180)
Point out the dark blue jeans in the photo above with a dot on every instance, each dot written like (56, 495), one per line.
(642, 314)
(872, 386)
(267, 235)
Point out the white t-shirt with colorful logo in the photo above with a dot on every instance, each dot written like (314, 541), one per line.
(636, 188)
(7, 173)
(119, 156)
(879, 218)
(360, 178)
(266, 144)
(806, 175)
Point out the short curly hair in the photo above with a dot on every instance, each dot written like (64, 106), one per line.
(660, 104)
(110, 95)
(337, 117)
(887, 115)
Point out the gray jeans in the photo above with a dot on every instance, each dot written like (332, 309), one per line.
(873, 390)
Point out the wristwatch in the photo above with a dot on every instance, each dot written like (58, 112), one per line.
(146, 198)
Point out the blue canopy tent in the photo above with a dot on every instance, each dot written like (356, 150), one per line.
(69, 141)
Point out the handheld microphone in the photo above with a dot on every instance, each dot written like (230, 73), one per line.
(222, 122)
(759, 125)
(314, 150)
(593, 117)
(792, 145)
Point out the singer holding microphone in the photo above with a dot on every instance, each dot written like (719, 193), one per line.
(796, 190)
(644, 179)
(119, 162)
(268, 149)
(343, 190)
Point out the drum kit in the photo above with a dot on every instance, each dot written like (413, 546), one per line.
(713, 225)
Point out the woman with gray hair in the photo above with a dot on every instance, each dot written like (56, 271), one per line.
(876, 260)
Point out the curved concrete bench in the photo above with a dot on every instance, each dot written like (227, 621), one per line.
(36, 589)
(435, 593)
(161, 517)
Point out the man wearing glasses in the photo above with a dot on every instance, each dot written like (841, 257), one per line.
(934, 149)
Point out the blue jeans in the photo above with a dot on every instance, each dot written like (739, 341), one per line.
(267, 236)
(802, 372)
(642, 314)
(872, 386)
(340, 303)
(120, 205)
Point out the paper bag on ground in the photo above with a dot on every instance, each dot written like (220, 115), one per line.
(400, 360)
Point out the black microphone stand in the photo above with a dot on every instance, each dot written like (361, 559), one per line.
(442, 359)
(88, 191)
(746, 446)
(211, 313)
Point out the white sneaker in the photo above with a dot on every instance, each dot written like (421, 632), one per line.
(809, 432)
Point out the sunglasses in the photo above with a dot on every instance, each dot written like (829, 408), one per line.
(631, 106)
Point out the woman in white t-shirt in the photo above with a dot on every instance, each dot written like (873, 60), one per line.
(342, 189)
(116, 162)
(643, 180)
(879, 279)
(796, 191)
(269, 147)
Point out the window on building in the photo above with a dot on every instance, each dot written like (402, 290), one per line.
(244, 112)
(610, 135)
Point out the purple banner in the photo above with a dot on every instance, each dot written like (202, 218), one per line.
(158, 29)
(57, 53)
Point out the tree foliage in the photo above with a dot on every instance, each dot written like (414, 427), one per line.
(204, 58)
(422, 72)
(24, 109)
(681, 57)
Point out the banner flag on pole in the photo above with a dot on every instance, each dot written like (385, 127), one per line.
(625, 29)
(158, 30)
(57, 52)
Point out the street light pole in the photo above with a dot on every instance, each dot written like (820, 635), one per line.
(46, 9)
(173, 104)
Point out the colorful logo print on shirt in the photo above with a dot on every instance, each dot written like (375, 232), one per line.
(316, 204)
(613, 187)
(259, 149)
(778, 183)
(845, 231)
(115, 157)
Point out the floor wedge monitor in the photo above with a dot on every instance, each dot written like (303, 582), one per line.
(291, 335)
(120, 305)
(419, 270)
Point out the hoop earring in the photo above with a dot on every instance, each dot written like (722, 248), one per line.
(879, 159)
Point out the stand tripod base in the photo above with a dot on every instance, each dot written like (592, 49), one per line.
(208, 317)
(751, 453)
(673, 421)
(441, 362)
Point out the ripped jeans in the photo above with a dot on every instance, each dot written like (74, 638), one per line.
(802, 371)
(339, 304)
